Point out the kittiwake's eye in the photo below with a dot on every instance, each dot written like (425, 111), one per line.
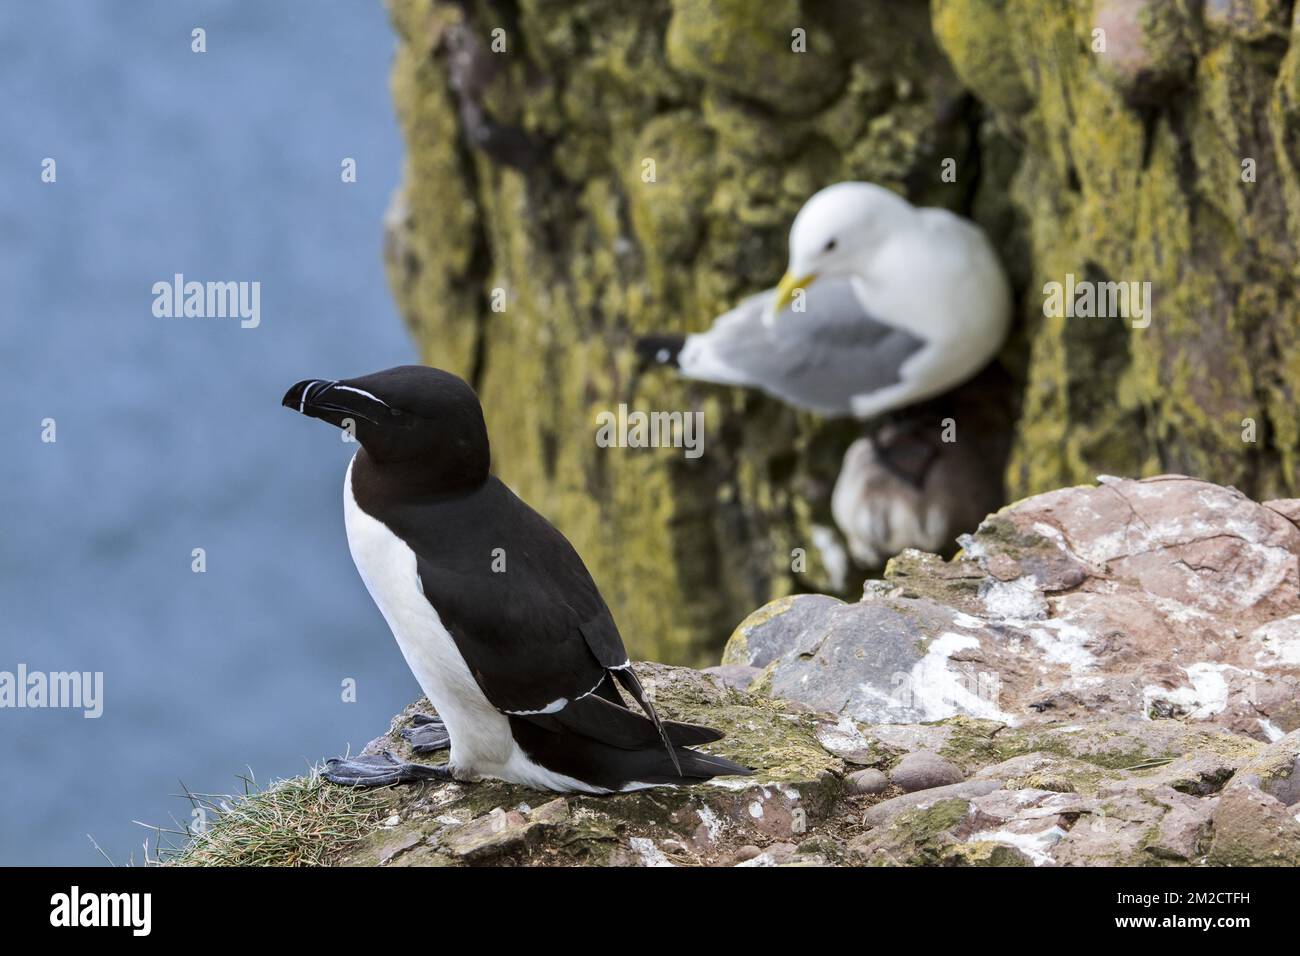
(830, 246)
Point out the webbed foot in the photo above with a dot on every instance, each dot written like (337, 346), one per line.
(380, 770)
(427, 734)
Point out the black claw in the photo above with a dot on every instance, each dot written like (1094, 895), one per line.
(379, 770)
(428, 735)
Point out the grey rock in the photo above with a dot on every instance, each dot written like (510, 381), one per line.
(1252, 828)
(1047, 592)
(847, 739)
(869, 781)
(780, 628)
(1183, 832)
(905, 738)
(552, 813)
(739, 676)
(741, 854)
(1278, 769)
(1044, 771)
(493, 833)
(398, 847)
(862, 660)
(924, 771)
(1285, 788)
(886, 810)
(778, 854)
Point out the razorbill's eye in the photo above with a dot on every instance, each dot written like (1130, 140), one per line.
(395, 412)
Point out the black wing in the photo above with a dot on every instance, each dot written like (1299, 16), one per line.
(535, 633)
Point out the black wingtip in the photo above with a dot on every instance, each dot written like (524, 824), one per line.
(690, 735)
(696, 767)
(702, 766)
(627, 678)
(659, 349)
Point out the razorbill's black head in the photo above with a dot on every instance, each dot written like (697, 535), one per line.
(422, 418)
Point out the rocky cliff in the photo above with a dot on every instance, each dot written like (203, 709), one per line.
(1107, 674)
(581, 172)
(1156, 142)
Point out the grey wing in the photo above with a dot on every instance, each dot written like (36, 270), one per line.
(816, 360)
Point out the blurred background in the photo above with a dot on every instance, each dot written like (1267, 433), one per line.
(222, 166)
(1111, 140)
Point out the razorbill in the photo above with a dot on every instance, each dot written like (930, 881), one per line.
(492, 608)
(883, 305)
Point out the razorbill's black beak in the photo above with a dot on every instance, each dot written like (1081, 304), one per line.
(300, 394)
(332, 401)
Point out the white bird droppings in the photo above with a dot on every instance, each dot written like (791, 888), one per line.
(648, 853)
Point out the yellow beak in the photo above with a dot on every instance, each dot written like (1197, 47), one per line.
(789, 287)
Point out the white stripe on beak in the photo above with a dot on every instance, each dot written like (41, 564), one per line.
(302, 402)
(359, 391)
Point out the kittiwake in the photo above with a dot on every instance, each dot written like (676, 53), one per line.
(883, 305)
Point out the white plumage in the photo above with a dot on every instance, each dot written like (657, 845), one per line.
(481, 742)
(883, 305)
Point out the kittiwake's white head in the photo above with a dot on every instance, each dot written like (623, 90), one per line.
(837, 232)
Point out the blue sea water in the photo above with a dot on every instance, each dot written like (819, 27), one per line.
(223, 165)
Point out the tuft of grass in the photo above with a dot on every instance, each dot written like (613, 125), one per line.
(301, 821)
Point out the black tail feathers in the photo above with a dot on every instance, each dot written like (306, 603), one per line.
(627, 677)
(711, 765)
(659, 349)
(690, 735)
(701, 766)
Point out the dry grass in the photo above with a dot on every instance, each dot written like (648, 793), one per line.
(302, 821)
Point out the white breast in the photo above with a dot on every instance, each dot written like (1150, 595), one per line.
(480, 735)
(481, 743)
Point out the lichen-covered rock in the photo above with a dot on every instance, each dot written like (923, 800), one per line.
(1257, 819)
(720, 42)
(1250, 828)
(580, 173)
(1126, 792)
(797, 785)
(1167, 598)
(1157, 143)
(1112, 791)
